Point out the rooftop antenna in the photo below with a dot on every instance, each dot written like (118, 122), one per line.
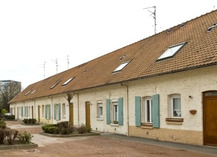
(56, 65)
(67, 61)
(153, 14)
(44, 68)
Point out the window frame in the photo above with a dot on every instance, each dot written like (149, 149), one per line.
(172, 97)
(100, 110)
(43, 110)
(63, 110)
(121, 66)
(168, 54)
(148, 112)
(115, 116)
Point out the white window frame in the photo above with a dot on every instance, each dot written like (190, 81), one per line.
(172, 97)
(148, 110)
(48, 111)
(63, 110)
(43, 110)
(57, 111)
(115, 112)
(100, 110)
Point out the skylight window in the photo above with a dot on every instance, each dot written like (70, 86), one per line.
(55, 84)
(212, 27)
(122, 66)
(171, 51)
(33, 91)
(70, 79)
(27, 92)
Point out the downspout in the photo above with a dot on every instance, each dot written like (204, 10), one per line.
(127, 107)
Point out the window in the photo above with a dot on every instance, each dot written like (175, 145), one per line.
(64, 110)
(54, 85)
(70, 79)
(57, 112)
(175, 106)
(99, 109)
(27, 93)
(115, 113)
(147, 110)
(42, 110)
(47, 112)
(120, 67)
(212, 27)
(171, 51)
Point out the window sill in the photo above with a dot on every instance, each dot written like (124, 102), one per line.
(99, 119)
(175, 121)
(115, 125)
(146, 126)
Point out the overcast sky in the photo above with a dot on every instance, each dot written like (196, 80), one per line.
(34, 32)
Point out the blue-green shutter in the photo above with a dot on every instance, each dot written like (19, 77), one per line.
(45, 111)
(22, 111)
(108, 118)
(156, 111)
(54, 107)
(120, 111)
(138, 110)
(59, 111)
(49, 106)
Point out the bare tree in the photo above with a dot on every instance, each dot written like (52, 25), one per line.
(69, 98)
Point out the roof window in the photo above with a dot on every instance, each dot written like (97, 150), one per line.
(70, 79)
(171, 51)
(27, 93)
(122, 66)
(55, 84)
(212, 27)
(33, 91)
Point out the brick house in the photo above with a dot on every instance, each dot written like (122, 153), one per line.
(162, 87)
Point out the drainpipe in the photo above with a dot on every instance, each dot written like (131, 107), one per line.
(127, 107)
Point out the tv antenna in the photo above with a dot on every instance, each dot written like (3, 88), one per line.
(44, 68)
(153, 14)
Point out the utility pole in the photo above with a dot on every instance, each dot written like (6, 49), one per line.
(153, 14)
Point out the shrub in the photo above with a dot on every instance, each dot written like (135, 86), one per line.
(29, 121)
(11, 135)
(65, 128)
(2, 124)
(51, 129)
(25, 137)
(2, 135)
(3, 111)
(9, 117)
(82, 129)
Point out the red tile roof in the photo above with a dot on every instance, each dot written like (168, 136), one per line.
(200, 51)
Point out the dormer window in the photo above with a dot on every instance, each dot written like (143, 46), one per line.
(70, 79)
(122, 66)
(171, 51)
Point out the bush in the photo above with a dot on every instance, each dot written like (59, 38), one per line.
(2, 135)
(2, 124)
(82, 129)
(25, 137)
(29, 121)
(3, 111)
(51, 129)
(9, 117)
(11, 135)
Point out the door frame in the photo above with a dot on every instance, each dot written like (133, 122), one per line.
(204, 115)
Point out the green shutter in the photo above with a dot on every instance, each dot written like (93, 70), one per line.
(138, 110)
(54, 107)
(156, 111)
(45, 111)
(108, 118)
(49, 106)
(59, 111)
(22, 111)
(120, 111)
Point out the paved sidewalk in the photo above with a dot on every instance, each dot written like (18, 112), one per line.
(202, 149)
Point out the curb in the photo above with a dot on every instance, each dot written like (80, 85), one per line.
(19, 146)
(70, 135)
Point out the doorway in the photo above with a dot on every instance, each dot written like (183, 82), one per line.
(210, 118)
(39, 114)
(71, 114)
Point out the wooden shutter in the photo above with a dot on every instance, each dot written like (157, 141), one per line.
(138, 110)
(120, 111)
(156, 111)
(108, 117)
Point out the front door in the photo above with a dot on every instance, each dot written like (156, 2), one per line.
(39, 114)
(210, 118)
(71, 114)
(87, 109)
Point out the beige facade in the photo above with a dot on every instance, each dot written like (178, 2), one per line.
(188, 84)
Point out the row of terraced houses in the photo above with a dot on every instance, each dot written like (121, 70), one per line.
(163, 87)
